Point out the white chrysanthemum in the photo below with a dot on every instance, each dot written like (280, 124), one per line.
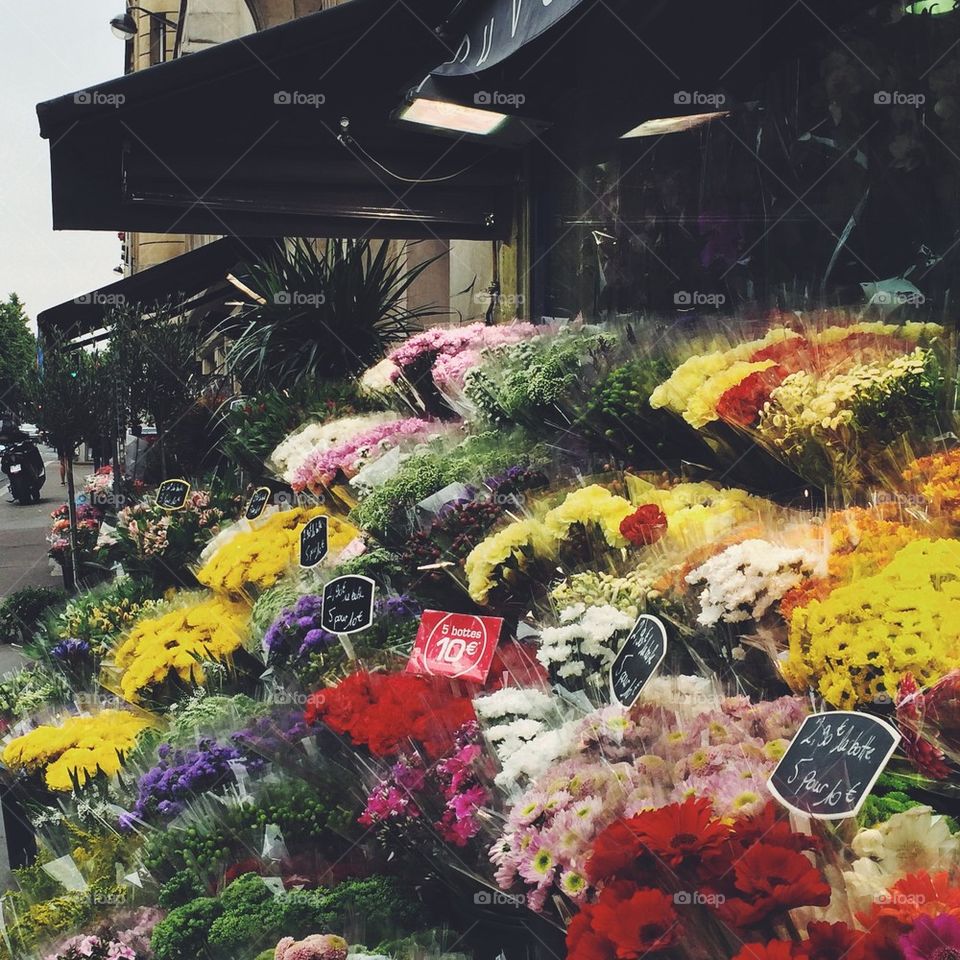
(745, 580)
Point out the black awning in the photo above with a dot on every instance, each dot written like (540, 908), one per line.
(492, 30)
(244, 139)
(186, 278)
(594, 69)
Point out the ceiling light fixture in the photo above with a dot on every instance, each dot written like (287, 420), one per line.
(665, 125)
(444, 115)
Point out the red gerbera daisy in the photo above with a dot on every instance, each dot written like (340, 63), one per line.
(773, 828)
(583, 943)
(614, 852)
(681, 834)
(831, 940)
(770, 880)
(636, 920)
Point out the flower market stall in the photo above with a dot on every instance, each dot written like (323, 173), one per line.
(570, 642)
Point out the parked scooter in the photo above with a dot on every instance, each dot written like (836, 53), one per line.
(22, 462)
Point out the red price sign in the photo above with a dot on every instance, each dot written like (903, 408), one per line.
(457, 645)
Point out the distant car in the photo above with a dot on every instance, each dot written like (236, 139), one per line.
(31, 430)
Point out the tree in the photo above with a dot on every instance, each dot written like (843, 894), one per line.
(18, 355)
(154, 358)
(62, 392)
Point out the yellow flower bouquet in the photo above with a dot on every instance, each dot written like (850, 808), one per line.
(855, 645)
(835, 406)
(256, 557)
(501, 557)
(586, 506)
(78, 750)
(173, 646)
(693, 512)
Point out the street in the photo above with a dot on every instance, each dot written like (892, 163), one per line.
(23, 541)
(23, 533)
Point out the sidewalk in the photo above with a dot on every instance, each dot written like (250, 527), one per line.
(24, 530)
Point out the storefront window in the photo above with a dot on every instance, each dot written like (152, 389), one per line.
(835, 181)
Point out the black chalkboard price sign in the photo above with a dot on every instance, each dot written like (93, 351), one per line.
(313, 542)
(172, 494)
(348, 604)
(832, 763)
(642, 652)
(257, 503)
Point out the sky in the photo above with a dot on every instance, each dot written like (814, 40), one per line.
(48, 48)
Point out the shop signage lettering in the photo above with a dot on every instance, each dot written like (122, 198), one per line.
(832, 763)
(642, 652)
(313, 542)
(458, 645)
(257, 503)
(172, 494)
(348, 604)
(500, 28)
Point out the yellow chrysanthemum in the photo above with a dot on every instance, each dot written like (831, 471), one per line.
(856, 644)
(80, 748)
(210, 629)
(689, 377)
(258, 557)
(696, 512)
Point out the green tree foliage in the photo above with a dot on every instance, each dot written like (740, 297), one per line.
(63, 392)
(18, 355)
(153, 367)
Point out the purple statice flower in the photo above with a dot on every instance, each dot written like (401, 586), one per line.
(451, 506)
(401, 607)
(163, 791)
(296, 632)
(315, 641)
(515, 479)
(269, 736)
(70, 650)
(310, 605)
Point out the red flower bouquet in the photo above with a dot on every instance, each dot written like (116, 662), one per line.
(384, 712)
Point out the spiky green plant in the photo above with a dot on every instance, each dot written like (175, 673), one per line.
(322, 315)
